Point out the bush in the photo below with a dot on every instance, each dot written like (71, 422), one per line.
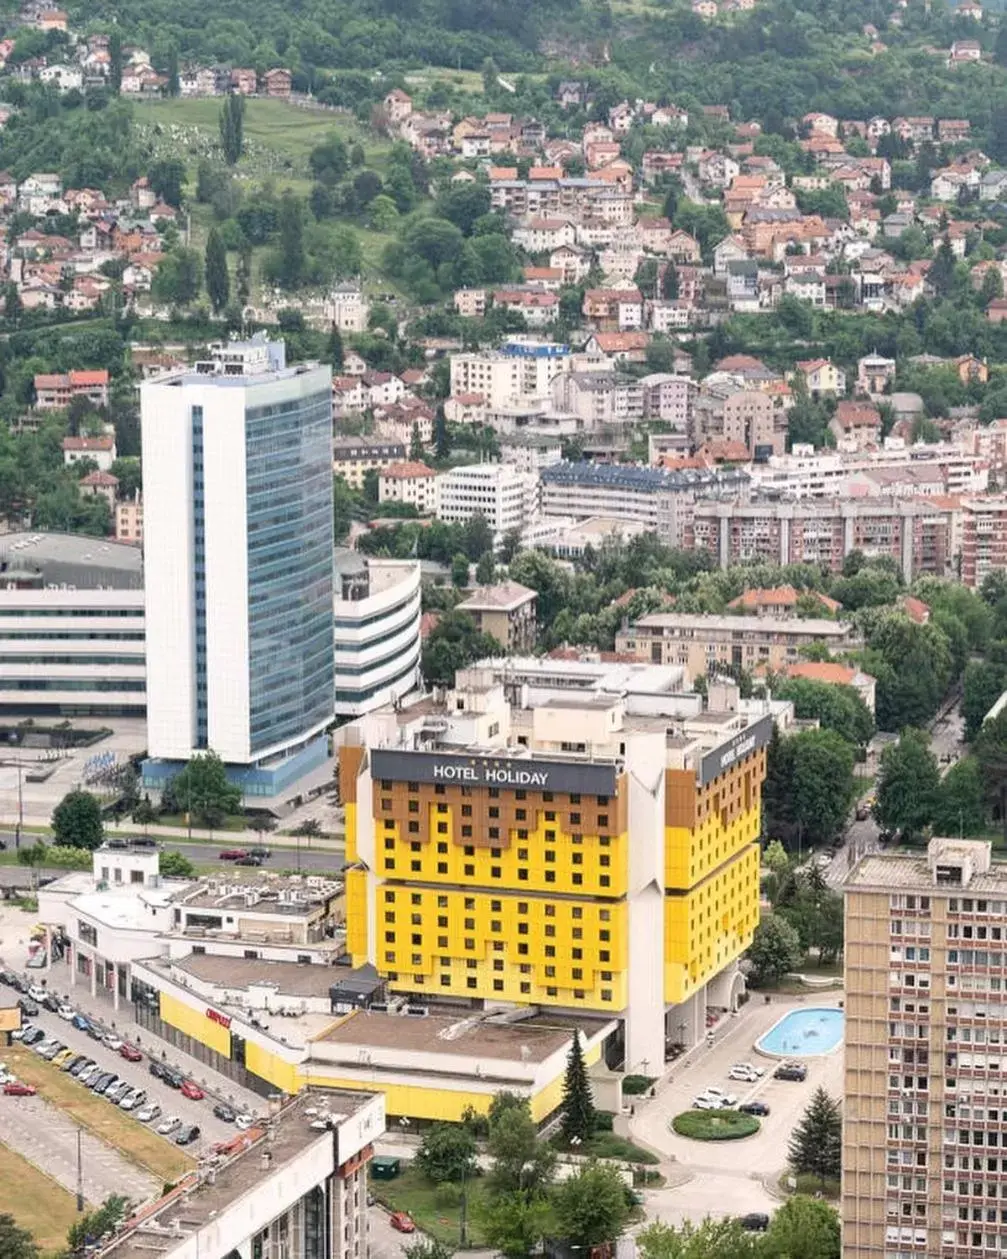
(634, 1085)
(714, 1125)
(603, 1120)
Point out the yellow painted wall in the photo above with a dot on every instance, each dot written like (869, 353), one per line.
(351, 832)
(418, 1101)
(548, 1098)
(711, 925)
(271, 1067)
(195, 1023)
(356, 915)
(504, 944)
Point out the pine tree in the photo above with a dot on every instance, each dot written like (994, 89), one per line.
(336, 354)
(415, 445)
(578, 1105)
(232, 128)
(442, 438)
(115, 62)
(669, 287)
(172, 71)
(218, 280)
(816, 1143)
(291, 270)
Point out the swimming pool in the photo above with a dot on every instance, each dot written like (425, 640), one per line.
(804, 1034)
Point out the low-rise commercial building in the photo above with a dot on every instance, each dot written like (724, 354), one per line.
(506, 497)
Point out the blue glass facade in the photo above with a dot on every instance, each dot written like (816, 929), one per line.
(288, 475)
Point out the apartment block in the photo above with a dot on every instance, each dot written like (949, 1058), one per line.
(701, 643)
(923, 536)
(489, 859)
(507, 612)
(519, 372)
(924, 1115)
(984, 539)
(354, 457)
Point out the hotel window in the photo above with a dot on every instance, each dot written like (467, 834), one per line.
(466, 810)
(414, 806)
(550, 992)
(390, 897)
(389, 843)
(412, 786)
(442, 848)
(469, 850)
(389, 863)
(414, 828)
(442, 867)
(470, 871)
(495, 872)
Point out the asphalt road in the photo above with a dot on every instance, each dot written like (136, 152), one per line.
(326, 861)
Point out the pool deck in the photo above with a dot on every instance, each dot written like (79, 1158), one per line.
(802, 1052)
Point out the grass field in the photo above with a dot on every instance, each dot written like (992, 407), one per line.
(37, 1203)
(114, 1126)
(273, 129)
(435, 1208)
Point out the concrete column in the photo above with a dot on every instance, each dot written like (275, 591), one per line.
(115, 987)
(94, 975)
(71, 952)
(48, 948)
(725, 543)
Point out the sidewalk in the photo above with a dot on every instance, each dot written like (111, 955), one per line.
(272, 839)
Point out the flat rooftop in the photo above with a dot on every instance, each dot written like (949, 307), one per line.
(886, 871)
(199, 1200)
(802, 625)
(290, 978)
(288, 895)
(72, 559)
(465, 1034)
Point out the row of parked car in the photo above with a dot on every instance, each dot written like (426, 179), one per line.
(108, 1084)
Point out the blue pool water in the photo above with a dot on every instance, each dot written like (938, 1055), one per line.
(804, 1033)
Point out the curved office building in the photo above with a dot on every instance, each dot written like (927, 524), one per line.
(377, 631)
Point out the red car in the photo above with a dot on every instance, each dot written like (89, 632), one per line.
(192, 1091)
(401, 1222)
(232, 854)
(14, 1088)
(130, 1053)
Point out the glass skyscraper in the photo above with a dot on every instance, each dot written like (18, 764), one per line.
(238, 537)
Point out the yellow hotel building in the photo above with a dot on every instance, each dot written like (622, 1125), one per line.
(504, 855)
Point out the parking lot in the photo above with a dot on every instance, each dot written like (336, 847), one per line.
(729, 1177)
(170, 1100)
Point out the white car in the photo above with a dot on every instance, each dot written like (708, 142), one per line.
(169, 1125)
(705, 1102)
(750, 1067)
(148, 1114)
(132, 1099)
(740, 1073)
(720, 1098)
(37, 993)
(66, 1012)
(112, 1041)
(244, 1122)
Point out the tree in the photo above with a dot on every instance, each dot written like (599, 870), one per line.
(478, 536)
(961, 803)
(442, 435)
(775, 950)
(908, 785)
(579, 1118)
(144, 813)
(460, 570)
(428, 1248)
(218, 279)
(76, 821)
(774, 857)
(263, 825)
(329, 161)
(93, 1226)
(334, 352)
(15, 1242)
(591, 1207)
(454, 643)
(344, 503)
(713, 1239)
(178, 278)
(202, 789)
(486, 569)
(448, 1152)
(490, 73)
(291, 259)
(521, 1163)
(175, 865)
(232, 128)
(803, 1228)
(514, 1223)
(167, 179)
(837, 708)
(816, 1144)
(990, 748)
(115, 61)
(171, 70)
(415, 445)
(821, 783)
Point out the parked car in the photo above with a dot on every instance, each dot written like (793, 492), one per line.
(157, 1069)
(28, 1007)
(148, 1113)
(133, 1100)
(87, 1073)
(232, 854)
(51, 1003)
(93, 1030)
(249, 859)
(263, 853)
(7, 977)
(78, 1068)
(174, 1079)
(224, 1113)
(67, 1012)
(81, 1023)
(755, 1222)
(750, 1067)
(130, 1052)
(187, 1135)
(15, 1088)
(790, 1071)
(192, 1091)
(169, 1125)
(726, 1100)
(47, 1042)
(112, 1041)
(116, 1092)
(244, 1122)
(64, 1055)
(37, 992)
(33, 1035)
(754, 1108)
(401, 1222)
(102, 1081)
(75, 1060)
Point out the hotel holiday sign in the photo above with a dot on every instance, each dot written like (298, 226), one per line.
(509, 772)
